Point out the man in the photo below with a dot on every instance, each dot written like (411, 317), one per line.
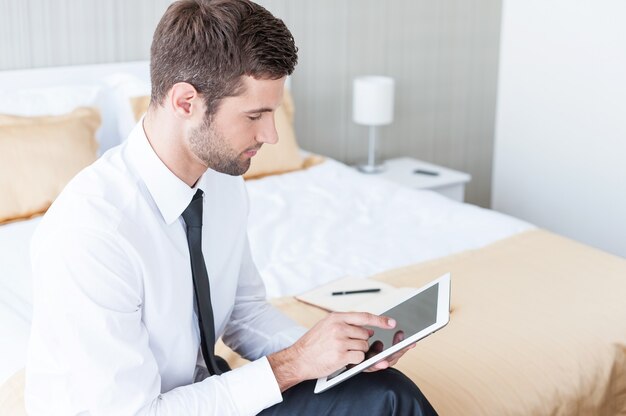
(144, 259)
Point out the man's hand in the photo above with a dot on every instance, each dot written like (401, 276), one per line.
(393, 358)
(334, 342)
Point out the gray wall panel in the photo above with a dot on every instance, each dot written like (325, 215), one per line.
(443, 55)
(39, 33)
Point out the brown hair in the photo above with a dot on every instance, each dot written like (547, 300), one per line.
(212, 44)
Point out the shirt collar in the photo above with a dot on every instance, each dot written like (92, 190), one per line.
(170, 194)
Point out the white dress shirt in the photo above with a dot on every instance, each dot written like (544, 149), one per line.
(114, 328)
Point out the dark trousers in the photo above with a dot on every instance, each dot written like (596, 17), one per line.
(382, 393)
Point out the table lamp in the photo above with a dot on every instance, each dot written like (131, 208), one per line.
(372, 105)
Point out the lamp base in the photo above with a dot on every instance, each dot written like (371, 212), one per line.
(372, 168)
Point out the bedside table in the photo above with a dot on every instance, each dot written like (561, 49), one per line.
(448, 182)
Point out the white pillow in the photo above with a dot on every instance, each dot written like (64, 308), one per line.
(51, 101)
(123, 87)
(56, 101)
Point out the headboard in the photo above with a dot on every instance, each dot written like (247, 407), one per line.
(106, 76)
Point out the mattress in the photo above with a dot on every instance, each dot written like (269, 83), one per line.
(306, 228)
(537, 327)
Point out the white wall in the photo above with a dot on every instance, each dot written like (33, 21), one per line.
(560, 150)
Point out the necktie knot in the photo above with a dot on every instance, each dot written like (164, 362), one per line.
(193, 213)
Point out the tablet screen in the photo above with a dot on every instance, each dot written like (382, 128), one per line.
(412, 316)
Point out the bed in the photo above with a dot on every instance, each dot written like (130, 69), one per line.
(538, 322)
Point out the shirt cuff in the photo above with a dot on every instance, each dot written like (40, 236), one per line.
(257, 386)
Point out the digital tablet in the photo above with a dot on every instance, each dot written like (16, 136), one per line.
(417, 315)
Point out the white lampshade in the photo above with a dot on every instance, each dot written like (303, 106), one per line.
(372, 103)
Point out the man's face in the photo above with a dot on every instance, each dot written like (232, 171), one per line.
(228, 139)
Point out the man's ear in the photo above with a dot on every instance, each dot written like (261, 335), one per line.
(184, 100)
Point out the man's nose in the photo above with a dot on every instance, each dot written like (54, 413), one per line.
(267, 132)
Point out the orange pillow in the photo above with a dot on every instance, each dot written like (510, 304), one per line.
(139, 105)
(283, 156)
(39, 156)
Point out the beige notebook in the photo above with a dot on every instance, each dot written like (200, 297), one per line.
(376, 303)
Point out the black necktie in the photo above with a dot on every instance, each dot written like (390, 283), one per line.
(193, 219)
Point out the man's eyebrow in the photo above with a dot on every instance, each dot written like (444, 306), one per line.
(259, 110)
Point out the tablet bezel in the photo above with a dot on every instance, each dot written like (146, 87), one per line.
(443, 317)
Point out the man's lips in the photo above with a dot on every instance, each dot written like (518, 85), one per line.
(252, 152)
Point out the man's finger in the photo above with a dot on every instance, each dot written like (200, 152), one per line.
(397, 337)
(355, 357)
(356, 332)
(381, 365)
(365, 318)
(357, 345)
(393, 358)
(376, 347)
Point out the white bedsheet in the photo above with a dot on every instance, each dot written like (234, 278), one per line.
(310, 227)
(306, 228)
(15, 295)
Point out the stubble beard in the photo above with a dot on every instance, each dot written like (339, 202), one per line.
(210, 146)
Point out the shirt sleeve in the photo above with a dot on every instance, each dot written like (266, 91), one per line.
(90, 351)
(256, 328)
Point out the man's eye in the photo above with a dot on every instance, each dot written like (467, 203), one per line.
(255, 117)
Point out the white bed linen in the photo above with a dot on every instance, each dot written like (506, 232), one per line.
(15, 294)
(306, 228)
(310, 227)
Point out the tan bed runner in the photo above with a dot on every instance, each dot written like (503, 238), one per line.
(538, 327)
